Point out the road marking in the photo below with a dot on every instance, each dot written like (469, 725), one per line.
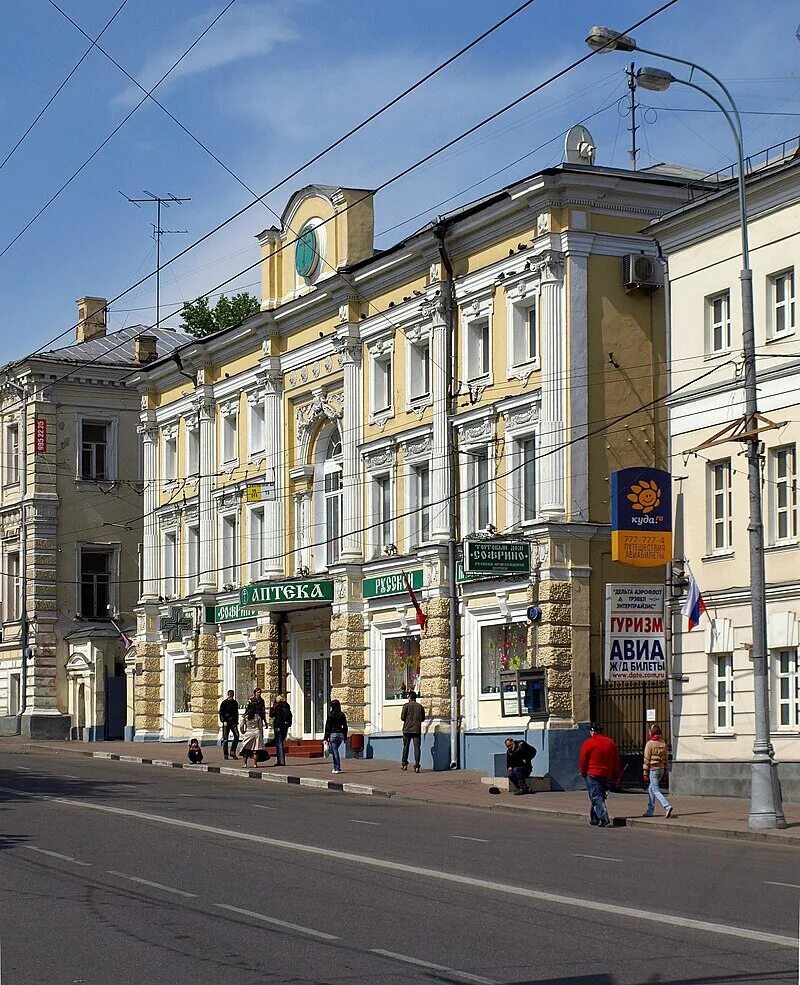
(577, 902)
(278, 923)
(356, 820)
(484, 841)
(463, 975)
(789, 885)
(64, 858)
(263, 807)
(600, 858)
(70, 776)
(25, 769)
(155, 885)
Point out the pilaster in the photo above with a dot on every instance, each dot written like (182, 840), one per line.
(206, 685)
(207, 410)
(348, 345)
(552, 454)
(274, 546)
(148, 432)
(441, 477)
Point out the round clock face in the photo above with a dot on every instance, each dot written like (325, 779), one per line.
(306, 252)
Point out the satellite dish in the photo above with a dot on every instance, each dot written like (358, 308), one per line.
(579, 146)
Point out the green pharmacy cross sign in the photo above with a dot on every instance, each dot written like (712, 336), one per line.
(174, 624)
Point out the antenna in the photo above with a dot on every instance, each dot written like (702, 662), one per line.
(160, 202)
(633, 106)
(579, 146)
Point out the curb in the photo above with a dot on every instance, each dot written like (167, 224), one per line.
(317, 783)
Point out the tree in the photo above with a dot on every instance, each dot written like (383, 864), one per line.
(199, 320)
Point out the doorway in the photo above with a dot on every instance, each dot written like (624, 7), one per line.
(116, 710)
(316, 684)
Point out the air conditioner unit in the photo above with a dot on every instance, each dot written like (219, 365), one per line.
(640, 272)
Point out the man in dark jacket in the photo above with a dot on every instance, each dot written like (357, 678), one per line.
(412, 716)
(519, 757)
(281, 715)
(229, 716)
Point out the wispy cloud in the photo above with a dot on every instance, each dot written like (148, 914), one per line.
(245, 32)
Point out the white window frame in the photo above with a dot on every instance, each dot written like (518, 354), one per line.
(170, 569)
(229, 433)
(256, 541)
(720, 499)
(481, 373)
(382, 384)
(256, 428)
(192, 431)
(722, 671)
(785, 484)
(785, 308)
(382, 527)
(471, 475)
(417, 498)
(419, 368)
(229, 568)
(11, 472)
(113, 550)
(12, 594)
(521, 356)
(722, 323)
(170, 445)
(112, 423)
(792, 680)
(191, 556)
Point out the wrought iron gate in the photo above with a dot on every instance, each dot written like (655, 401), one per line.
(621, 707)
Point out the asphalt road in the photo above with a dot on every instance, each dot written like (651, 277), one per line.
(140, 876)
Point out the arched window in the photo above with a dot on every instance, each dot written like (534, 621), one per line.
(332, 497)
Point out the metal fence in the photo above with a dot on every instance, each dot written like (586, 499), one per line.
(622, 709)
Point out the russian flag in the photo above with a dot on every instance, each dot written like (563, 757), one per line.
(694, 606)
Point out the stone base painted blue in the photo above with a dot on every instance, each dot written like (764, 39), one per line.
(556, 759)
(434, 752)
(146, 736)
(93, 733)
(130, 733)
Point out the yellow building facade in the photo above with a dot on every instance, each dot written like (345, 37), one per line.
(308, 467)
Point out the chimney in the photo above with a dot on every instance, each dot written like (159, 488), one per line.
(91, 318)
(145, 349)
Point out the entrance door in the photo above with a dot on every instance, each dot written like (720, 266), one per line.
(116, 712)
(316, 690)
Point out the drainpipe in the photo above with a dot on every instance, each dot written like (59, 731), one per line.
(448, 292)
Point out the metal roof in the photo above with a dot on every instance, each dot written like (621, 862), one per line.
(117, 348)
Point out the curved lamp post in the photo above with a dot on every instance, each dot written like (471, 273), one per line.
(766, 810)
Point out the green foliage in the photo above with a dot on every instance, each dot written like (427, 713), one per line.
(199, 320)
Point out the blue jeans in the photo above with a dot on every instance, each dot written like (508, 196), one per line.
(280, 738)
(654, 793)
(598, 787)
(518, 776)
(334, 741)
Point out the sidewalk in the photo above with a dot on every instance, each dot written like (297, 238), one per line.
(719, 817)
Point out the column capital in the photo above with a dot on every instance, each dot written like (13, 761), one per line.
(550, 267)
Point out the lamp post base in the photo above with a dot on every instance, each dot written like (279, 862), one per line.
(766, 809)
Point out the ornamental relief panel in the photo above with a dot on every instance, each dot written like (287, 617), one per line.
(322, 407)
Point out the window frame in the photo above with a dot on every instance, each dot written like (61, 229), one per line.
(792, 678)
(483, 372)
(12, 471)
(228, 430)
(419, 365)
(256, 541)
(230, 567)
(112, 552)
(519, 322)
(170, 548)
(728, 704)
(12, 594)
(473, 456)
(191, 556)
(383, 525)
(724, 324)
(787, 305)
(720, 495)
(111, 422)
(257, 411)
(382, 384)
(170, 452)
(192, 432)
(790, 481)
(409, 638)
(421, 501)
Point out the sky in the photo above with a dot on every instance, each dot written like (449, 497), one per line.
(273, 81)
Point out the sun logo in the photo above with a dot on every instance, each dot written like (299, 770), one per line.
(645, 496)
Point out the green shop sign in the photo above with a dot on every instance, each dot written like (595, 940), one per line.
(462, 576)
(497, 557)
(273, 592)
(228, 612)
(394, 584)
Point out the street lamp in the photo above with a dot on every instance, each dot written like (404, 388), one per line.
(766, 810)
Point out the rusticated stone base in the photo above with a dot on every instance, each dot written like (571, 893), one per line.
(434, 659)
(206, 685)
(348, 666)
(148, 688)
(268, 650)
(551, 640)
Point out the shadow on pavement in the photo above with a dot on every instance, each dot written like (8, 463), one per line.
(656, 979)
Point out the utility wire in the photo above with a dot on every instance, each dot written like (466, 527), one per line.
(72, 71)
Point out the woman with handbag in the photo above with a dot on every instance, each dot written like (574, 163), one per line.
(254, 722)
(655, 766)
(335, 733)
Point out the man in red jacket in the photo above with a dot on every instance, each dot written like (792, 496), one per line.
(600, 767)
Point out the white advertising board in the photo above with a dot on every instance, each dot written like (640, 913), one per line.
(635, 633)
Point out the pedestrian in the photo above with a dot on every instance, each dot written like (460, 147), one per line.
(655, 766)
(600, 767)
(195, 753)
(519, 763)
(281, 715)
(254, 722)
(229, 716)
(335, 733)
(412, 716)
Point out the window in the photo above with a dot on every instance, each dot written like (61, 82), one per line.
(12, 454)
(419, 371)
(422, 501)
(721, 506)
(503, 648)
(401, 667)
(256, 543)
(382, 511)
(13, 587)
(723, 693)
(230, 451)
(527, 483)
(782, 290)
(788, 681)
(230, 549)
(718, 317)
(182, 687)
(170, 457)
(14, 693)
(193, 451)
(169, 561)
(478, 482)
(192, 566)
(382, 383)
(332, 473)
(95, 583)
(525, 334)
(257, 431)
(785, 493)
(478, 354)
(94, 450)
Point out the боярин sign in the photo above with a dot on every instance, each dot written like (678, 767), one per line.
(635, 633)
